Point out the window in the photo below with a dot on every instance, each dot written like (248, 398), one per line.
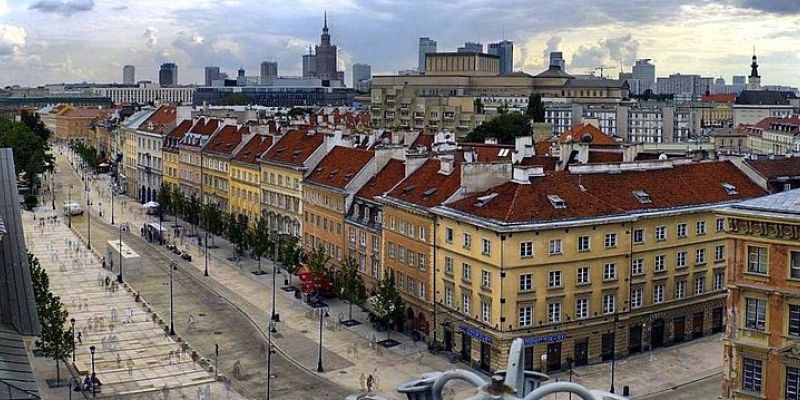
(553, 312)
(526, 316)
(448, 265)
(392, 249)
(610, 272)
(526, 249)
(661, 233)
(584, 243)
(611, 240)
(401, 227)
(660, 262)
(792, 383)
(555, 279)
(720, 224)
(794, 320)
(555, 246)
(682, 230)
(719, 281)
(411, 230)
(448, 235)
(422, 294)
(636, 298)
(581, 308)
(701, 228)
(699, 285)
(421, 261)
(680, 289)
(609, 301)
(486, 279)
(486, 312)
(794, 264)
(719, 253)
(465, 299)
(637, 267)
(467, 241)
(448, 296)
(486, 246)
(525, 282)
(757, 259)
(401, 254)
(638, 236)
(582, 276)
(658, 293)
(422, 233)
(466, 271)
(680, 259)
(751, 375)
(700, 256)
(755, 314)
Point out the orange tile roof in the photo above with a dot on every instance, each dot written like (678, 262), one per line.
(385, 180)
(719, 98)
(257, 145)
(603, 157)
(295, 146)
(205, 126)
(610, 194)
(340, 166)
(159, 120)
(586, 133)
(543, 148)
(548, 162)
(772, 169)
(83, 112)
(226, 140)
(175, 135)
(424, 140)
(489, 152)
(426, 187)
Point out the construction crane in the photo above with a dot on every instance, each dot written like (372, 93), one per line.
(603, 68)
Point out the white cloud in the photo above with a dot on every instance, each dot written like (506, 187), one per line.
(12, 39)
(151, 37)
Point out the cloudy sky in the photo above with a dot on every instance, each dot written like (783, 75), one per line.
(45, 41)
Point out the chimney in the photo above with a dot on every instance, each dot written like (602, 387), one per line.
(523, 174)
(523, 148)
(478, 177)
(332, 140)
(446, 164)
(490, 140)
(385, 153)
(414, 161)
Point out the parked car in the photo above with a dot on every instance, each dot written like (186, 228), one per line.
(72, 209)
(186, 256)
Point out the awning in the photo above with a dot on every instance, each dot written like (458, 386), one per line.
(150, 204)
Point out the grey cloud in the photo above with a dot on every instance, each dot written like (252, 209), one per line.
(150, 37)
(773, 6)
(552, 45)
(119, 8)
(609, 50)
(63, 7)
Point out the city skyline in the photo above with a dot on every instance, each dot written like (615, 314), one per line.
(50, 41)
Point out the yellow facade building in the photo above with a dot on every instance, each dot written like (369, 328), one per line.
(217, 155)
(171, 155)
(245, 178)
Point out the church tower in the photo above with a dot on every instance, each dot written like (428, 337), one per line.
(754, 80)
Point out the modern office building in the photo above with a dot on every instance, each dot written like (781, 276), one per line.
(211, 75)
(362, 77)
(146, 93)
(426, 46)
(471, 47)
(168, 74)
(505, 51)
(645, 73)
(128, 75)
(269, 69)
(278, 96)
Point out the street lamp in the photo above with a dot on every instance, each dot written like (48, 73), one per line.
(88, 219)
(72, 322)
(323, 312)
(112, 203)
(172, 265)
(69, 207)
(614, 351)
(119, 276)
(277, 240)
(270, 331)
(91, 349)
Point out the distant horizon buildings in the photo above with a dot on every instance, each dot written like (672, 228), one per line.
(362, 74)
(168, 74)
(322, 63)
(211, 74)
(128, 75)
(471, 47)
(505, 51)
(426, 46)
(269, 69)
(557, 60)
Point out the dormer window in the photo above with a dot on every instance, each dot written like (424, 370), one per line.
(642, 196)
(503, 153)
(484, 200)
(429, 192)
(730, 189)
(557, 201)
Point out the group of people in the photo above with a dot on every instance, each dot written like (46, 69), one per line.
(89, 384)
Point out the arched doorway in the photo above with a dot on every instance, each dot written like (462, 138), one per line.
(142, 193)
(657, 334)
(422, 324)
(410, 320)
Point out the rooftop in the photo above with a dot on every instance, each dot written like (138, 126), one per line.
(340, 166)
(761, 97)
(772, 169)
(783, 202)
(587, 133)
(385, 180)
(257, 145)
(226, 140)
(426, 186)
(160, 120)
(294, 147)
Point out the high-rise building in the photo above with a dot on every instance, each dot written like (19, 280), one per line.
(645, 73)
(309, 64)
(168, 75)
(504, 50)
(323, 63)
(557, 60)
(128, 75)
(471, 47)
(269, 69)
(361, 72)
(212, 74)
(426, 45)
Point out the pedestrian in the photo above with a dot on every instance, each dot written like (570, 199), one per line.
(190, 324)
(103, 261)
(370, 382)
(130, 315)
(362, 380)
(80, 337)
(113, 314)
(129, 364)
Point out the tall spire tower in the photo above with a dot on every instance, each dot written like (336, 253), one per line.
(754, 80)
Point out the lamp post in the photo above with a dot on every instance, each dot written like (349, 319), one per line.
(112, 203)
(614, 352)
(323, 312)
(69, 207)
(172, 266)
(205, 269)
(72, 322)
(91, 350)
(88, 219)
(119, 276)
(270, 331)
(277, 240)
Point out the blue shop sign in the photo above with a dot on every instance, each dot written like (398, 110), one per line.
(557, 337)
(476, 334)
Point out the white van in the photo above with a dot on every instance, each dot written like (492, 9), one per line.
(72, 209)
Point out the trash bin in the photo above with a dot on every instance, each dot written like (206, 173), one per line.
(626, 391)
(297, 294)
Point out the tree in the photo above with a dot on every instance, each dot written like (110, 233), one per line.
(297, 112)
(55, 342)
(317, 264)
(165, 199)
(178, 203)
(387, 305)
(504, 128)
(291, 255)
(236, 99)
(213, 220)
(35, 124)
(31, 153)
(259, 239)
(351, 284)
(478, 106)
(535, 110)
(236, 230)
(192, 212)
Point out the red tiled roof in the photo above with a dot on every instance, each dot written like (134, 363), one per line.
(424, 140)
(586, 133)
(159, 120)
(226, 140)
(385, 180)
(548, 162)
(295, 147)
(426, 187)
(180, 131)
(205, 126)
(772, 169)
(610, 194)
(257, 145)
(489, 152)
(719, 98)
(340, 166)
(542, 148)
(603, 157)
(83, 112)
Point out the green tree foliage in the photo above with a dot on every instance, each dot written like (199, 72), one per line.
(259, 239)
(291, 255)
(351, 284)
(35, 124)
(387, 305)
(236, 230)
(31, 153)
(87, 154)
(192, 212)
(535, 110)
(318, 261)
(165, 200)
(55, 342)
(504, 128)
(478, 105)
(236, 99)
